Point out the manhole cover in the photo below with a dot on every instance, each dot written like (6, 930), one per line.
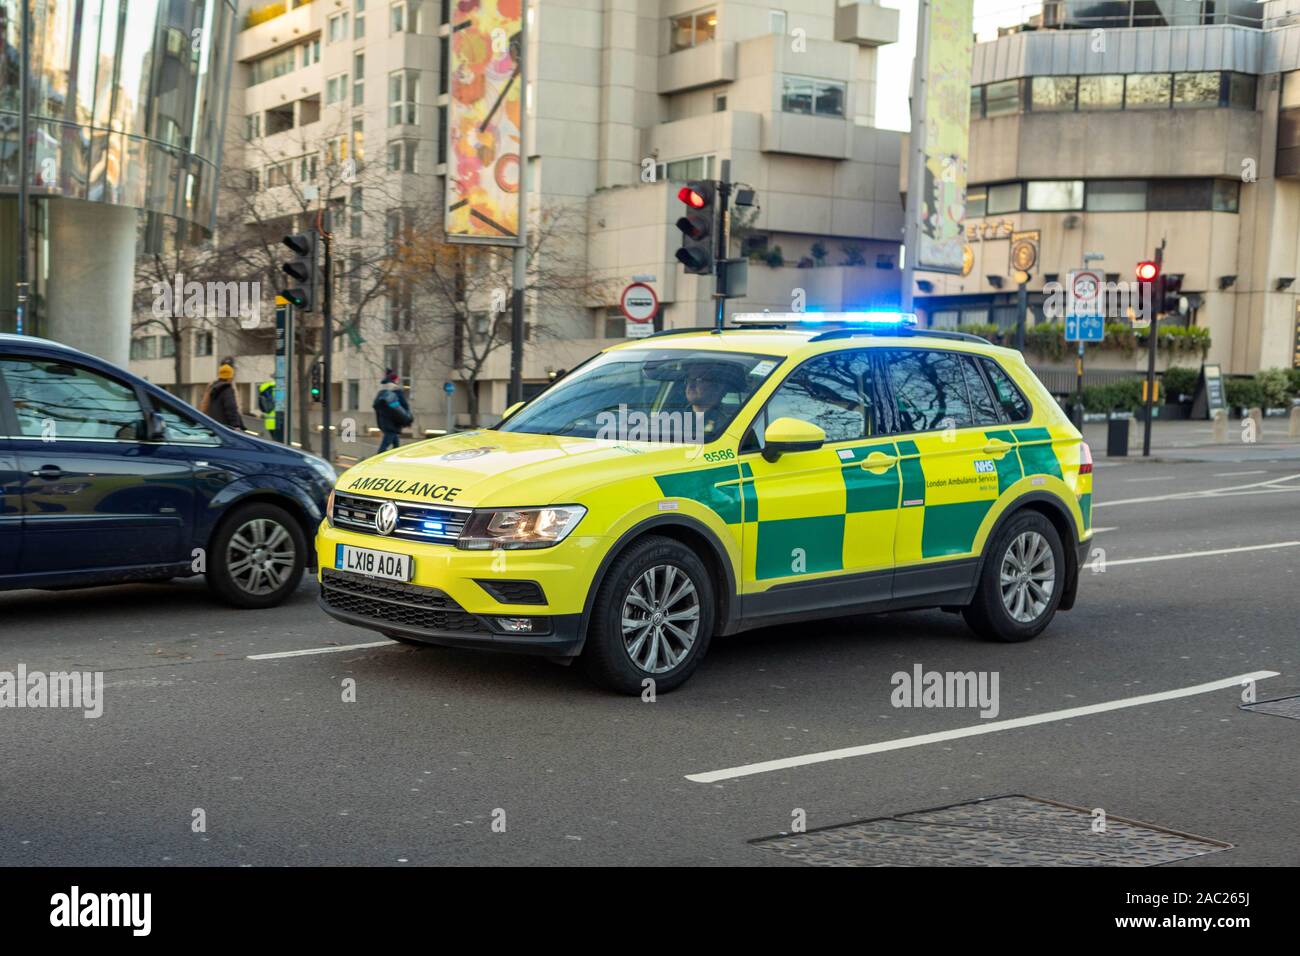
(1281, 707)
(1000, 831)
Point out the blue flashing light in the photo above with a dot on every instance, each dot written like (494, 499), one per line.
(432, 525)
(884, 320)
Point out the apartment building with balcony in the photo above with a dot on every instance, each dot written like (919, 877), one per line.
(627, 99)
(1111, 126)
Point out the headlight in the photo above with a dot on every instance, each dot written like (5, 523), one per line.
(519, 527)
(329, 509)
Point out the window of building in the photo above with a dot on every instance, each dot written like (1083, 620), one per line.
(1241, 91)
(279, 174)
(976, 201)
(692, 29)
(719, 102)
(253, 126)
(359, 20)
(976, 102)
(202, 343)
(336, 88)
(404, 17)
(1003, 198)
(1054, 195)
(1226, 195)
(442, 135)
(308, 109)
(929, 390)
(144, 348)
(1117, 195)
(403, 87)
(355, 219)
(801, 94)
(336, 28)
(1147, 91)
(1179, 194)
(1196, 89)
(279, 119)
(1002, 98)
(354, 394)
(307, 168)
(269, 67)
(311, 52)
(1053, 93)
(358, 79)
(336, 150)
(398, 358)
(1104, 92)
(776, 22)
(614, 323)
(358, 138)
(684, 170)
(401, 156)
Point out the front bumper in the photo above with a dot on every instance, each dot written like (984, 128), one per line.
(447, 601)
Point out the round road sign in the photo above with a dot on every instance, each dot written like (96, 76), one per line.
(639, 302)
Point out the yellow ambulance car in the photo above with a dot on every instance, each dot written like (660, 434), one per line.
(698, 483)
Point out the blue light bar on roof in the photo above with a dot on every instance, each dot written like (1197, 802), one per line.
(874, 320)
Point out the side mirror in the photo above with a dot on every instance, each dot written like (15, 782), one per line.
(511, 410)
(787, 435)
(154, 427)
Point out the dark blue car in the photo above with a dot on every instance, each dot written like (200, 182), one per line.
(105, 478)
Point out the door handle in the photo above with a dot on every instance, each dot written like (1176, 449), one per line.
(47, 471)
(996, 446)
(879, 461)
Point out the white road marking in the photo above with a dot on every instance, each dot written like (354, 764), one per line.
(1154, 478)
(1262, 487)
(1100, 530)
(921, 740)
(1240, 474)
(323, 650)
(1203, 554)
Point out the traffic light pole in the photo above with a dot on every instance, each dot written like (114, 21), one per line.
(327, 332)
(720, 247)
(519, 260)
(1157, 296)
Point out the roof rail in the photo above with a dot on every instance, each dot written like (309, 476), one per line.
(901, 333)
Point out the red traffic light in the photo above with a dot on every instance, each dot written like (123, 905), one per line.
(692, 197)
(1147, 271)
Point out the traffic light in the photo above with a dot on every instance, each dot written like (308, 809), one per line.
(697, 228)
(1147, 271)
(316, 380)
(1173, 292)
(302, 270)
(1148, 278)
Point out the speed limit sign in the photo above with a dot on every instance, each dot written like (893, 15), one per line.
(1083, 292)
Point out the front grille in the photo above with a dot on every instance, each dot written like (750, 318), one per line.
(415, 521)
(391, 602)
(513, 592)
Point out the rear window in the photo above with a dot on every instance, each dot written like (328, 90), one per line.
(1012, 401)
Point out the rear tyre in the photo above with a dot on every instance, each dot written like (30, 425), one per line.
(652, 618)
(1022, 581)
(257, 556)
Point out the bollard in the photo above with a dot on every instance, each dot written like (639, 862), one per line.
(1295, 421)
(1220, 425)
(1258, 415)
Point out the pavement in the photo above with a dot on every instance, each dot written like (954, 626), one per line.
(238, 720)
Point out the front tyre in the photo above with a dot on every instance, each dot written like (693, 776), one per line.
(257, 556)
(652, 618)
(1022, 581)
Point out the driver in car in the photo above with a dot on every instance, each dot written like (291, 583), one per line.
(706, 384)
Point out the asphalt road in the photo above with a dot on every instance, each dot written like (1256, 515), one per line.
(439, 742)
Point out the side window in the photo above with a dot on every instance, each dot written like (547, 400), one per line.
(180, 427)
(1012, 400)
(929, 390)
(56, 400)
(833, 391)
(981, 404)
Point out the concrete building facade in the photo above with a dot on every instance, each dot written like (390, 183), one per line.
(627, 99)
(1109, 138)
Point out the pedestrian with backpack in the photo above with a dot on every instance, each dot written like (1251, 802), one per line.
(392, 412)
